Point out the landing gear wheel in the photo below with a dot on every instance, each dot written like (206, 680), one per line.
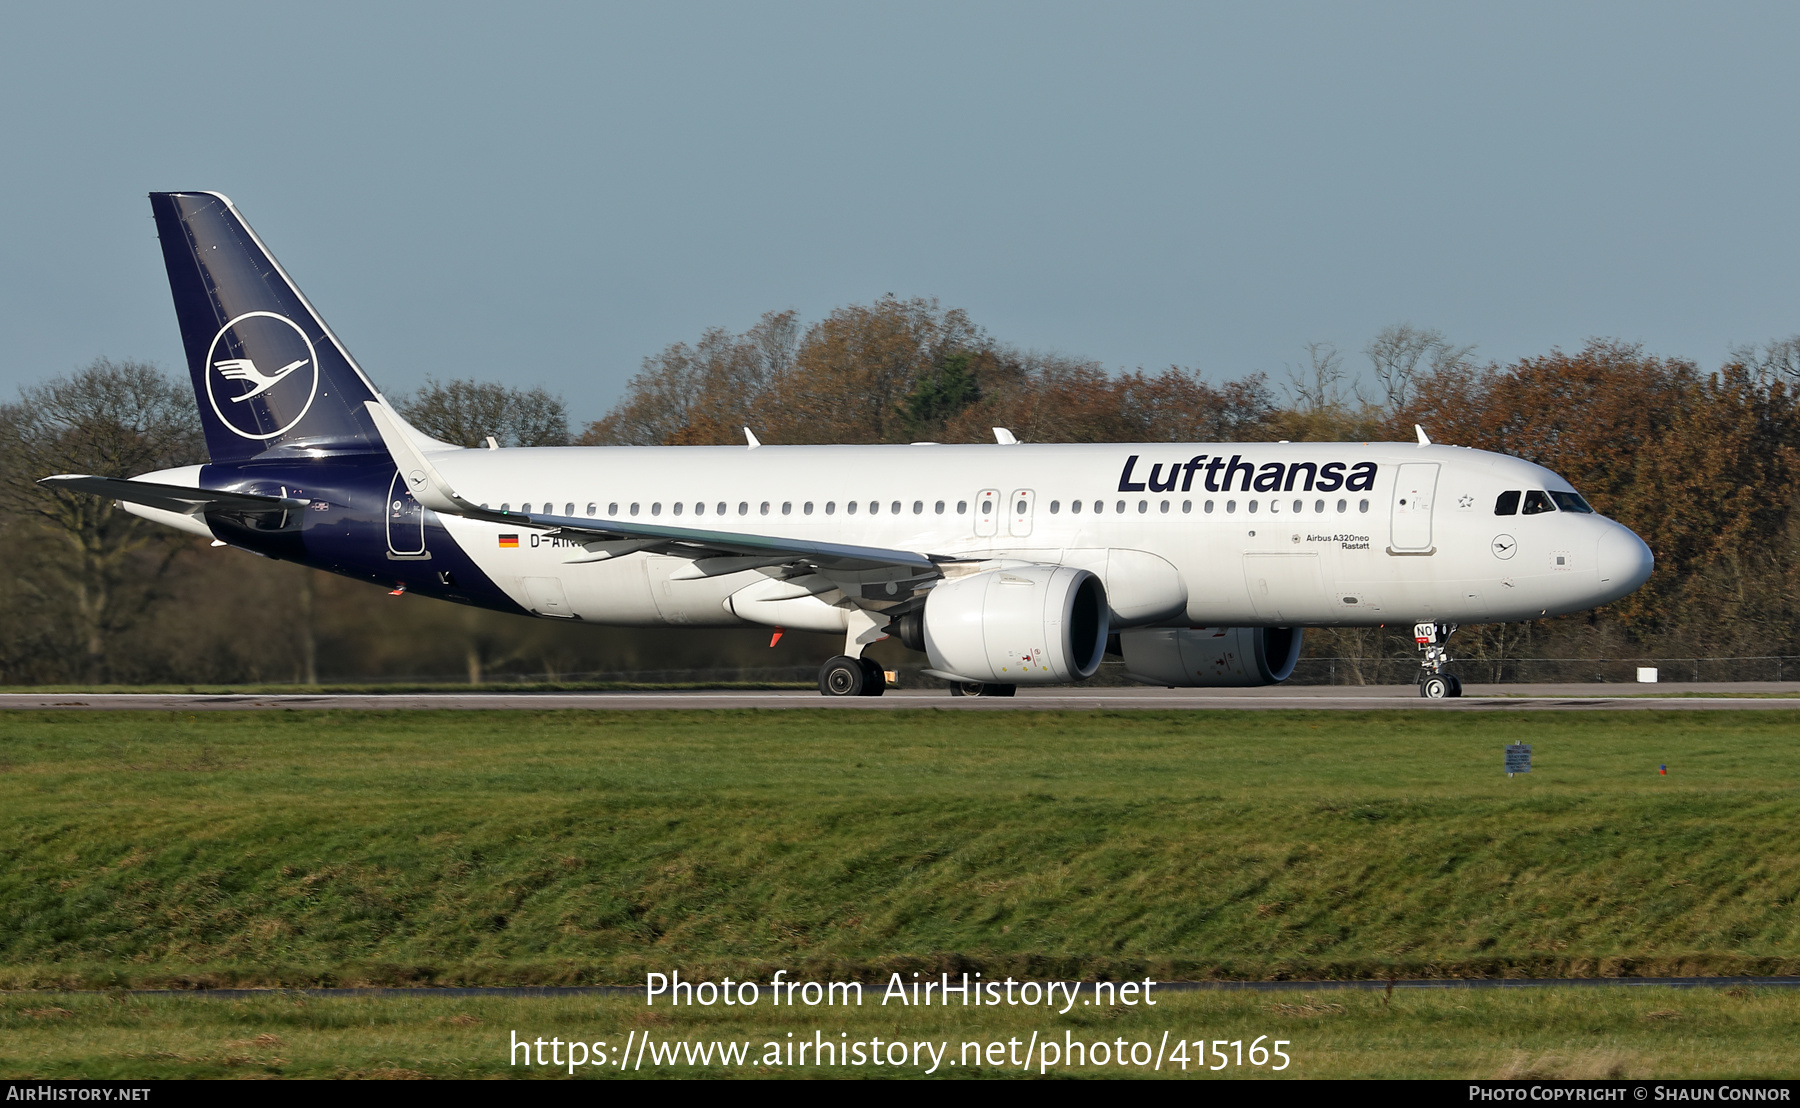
(874, 678)
(1455, 684)
(976, 688)
(842, 676)
(1435, 687)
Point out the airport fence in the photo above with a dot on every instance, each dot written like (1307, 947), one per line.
(1400, 670)
(1394, 669)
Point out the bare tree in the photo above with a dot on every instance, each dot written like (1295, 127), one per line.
(1401, 351)
(467, 412)
(114, 419)
(1774, 361)
(1317, 386)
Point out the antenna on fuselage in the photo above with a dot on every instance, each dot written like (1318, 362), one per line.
(1424, 439)
(753, 440)
(1004, 437)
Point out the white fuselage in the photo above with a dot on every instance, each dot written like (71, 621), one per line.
(1421, 542)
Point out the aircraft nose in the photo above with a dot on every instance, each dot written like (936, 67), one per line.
(1623, 560)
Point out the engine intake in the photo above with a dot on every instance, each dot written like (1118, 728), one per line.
(1211, 657)
(1035, 625)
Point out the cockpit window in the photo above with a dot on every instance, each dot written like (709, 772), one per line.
(1571, 502)
(1507, 504)
(1537, 503)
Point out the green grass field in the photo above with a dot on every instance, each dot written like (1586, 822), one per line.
(1561, 1032)
(300, 848)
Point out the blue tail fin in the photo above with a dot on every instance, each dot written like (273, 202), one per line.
(269, 376)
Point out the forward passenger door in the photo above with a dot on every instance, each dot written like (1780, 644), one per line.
(1415, 486)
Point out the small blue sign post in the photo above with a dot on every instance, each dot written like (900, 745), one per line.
(1518, 758)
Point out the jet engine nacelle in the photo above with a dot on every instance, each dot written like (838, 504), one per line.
(1211, 657)
(1034, 625)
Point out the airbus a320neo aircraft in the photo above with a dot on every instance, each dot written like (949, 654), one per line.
(1006, 564)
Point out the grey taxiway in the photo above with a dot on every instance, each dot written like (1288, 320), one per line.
(1699, 696)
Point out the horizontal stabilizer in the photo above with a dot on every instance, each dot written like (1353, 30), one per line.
(172, 498)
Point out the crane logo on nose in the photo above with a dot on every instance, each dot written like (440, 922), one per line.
(1504, 546)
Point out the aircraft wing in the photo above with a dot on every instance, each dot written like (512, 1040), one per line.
(714, 552)
(743, 551)
(172, 498)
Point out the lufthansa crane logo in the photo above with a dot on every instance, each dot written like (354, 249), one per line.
(262, 374)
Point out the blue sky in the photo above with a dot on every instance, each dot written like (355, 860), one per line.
(545, 194)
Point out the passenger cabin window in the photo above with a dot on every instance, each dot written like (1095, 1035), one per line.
(1507, 503)
(962, 506)
(918, 507)
(1537, 503)
(940, 507)
(613, 510)
(569, 509)
(1571, 502)
(1075, 506)
(1055, 506)
(593, 510)
(742, 508)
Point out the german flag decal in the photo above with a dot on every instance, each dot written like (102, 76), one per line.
(509, 542)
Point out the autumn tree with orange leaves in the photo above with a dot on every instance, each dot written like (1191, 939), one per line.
(1704, 464)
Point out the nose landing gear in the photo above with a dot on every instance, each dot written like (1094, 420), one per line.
(1434, 683)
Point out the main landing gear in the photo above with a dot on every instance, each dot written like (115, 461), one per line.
(847, 676)
(1434, 683)
(977, 688)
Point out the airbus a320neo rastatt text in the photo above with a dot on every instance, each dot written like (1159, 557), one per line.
(1005, 564)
